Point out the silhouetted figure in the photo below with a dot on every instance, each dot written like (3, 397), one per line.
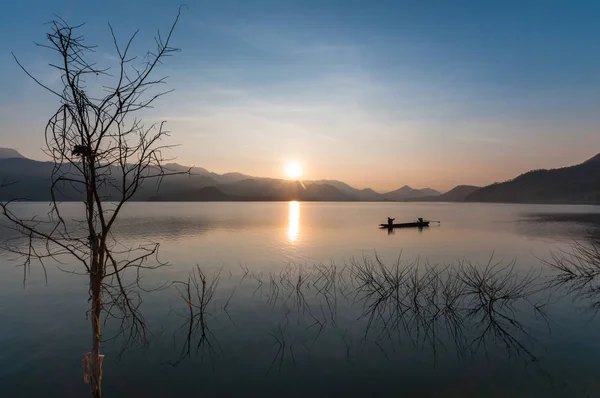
(390, 221)
(420, 219)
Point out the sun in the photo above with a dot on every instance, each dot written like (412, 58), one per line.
(293, 170)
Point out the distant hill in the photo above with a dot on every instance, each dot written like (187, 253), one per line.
(366, 194)
(274, 189)
(574, 184)
(430, 192)
(9, 153)
(199, 171)
(31, 179)
(456, 194)
(407, 193)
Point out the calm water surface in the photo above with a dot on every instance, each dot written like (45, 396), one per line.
(290, 317)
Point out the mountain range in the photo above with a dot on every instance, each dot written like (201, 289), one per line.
(32, 182)
(579, 184)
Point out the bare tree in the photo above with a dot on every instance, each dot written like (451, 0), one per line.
(103, 151)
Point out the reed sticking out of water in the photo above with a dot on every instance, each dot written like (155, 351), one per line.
(582, 261)
(467, 307)
(198, 293)
(578, 271)
(473, 304)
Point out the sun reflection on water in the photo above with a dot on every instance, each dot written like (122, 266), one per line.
(293, 221)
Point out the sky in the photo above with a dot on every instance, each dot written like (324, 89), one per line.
(378, 94)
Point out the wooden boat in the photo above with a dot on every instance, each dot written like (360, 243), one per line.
(416, 224)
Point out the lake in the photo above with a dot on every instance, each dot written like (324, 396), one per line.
(312, 299)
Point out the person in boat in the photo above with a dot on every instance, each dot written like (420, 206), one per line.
(420, 220)
(391, 221)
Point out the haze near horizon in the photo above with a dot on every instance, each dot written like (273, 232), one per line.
(378, 95)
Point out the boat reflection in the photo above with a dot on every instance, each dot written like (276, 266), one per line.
(293, 221)
(392, 231)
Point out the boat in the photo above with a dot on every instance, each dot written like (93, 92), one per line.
(416, 224)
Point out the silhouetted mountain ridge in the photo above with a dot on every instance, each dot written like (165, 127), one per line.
(579, 184)
(408, 193)
(573, 184)
(9, 153)
(33, 183)
(456, 194)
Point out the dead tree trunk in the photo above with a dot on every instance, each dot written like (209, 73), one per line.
(105, 153)
(96, 278)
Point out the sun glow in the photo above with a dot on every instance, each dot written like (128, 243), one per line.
(293, 221)
(293, 170)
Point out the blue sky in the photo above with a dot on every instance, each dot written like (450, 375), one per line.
(376, 93)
